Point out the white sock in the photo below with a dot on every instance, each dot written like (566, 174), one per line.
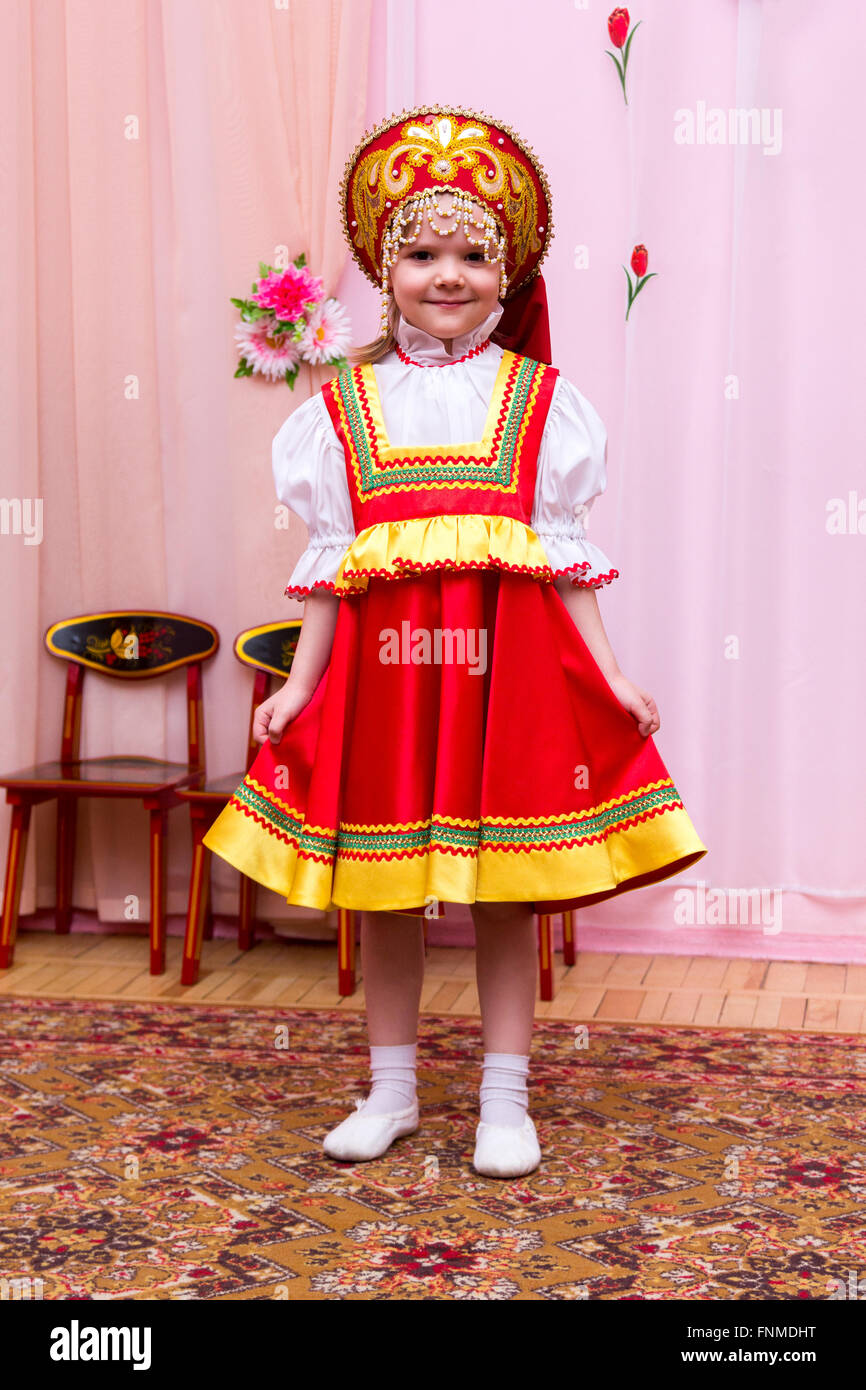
(393, 1072)
(504, 1092)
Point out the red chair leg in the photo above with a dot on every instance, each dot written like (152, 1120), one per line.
(14, 875)
(545, 955)
(199, 891)
(345, 950)
(158, 818)
(568, 938)
(67, 817)
(247, 913)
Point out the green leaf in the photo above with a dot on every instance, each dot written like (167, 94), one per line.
(291, 376)
(628, 43)
(620, 74)
(300, 261)
(641, 283)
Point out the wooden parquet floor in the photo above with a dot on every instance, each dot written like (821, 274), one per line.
(686, 990)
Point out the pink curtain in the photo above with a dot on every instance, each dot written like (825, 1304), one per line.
(154, 151)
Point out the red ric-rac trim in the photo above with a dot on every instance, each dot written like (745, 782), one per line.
(587, 583)
(408, 566)
(304, 590)
(473, 352)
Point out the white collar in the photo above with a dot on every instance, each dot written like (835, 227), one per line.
(428, 351)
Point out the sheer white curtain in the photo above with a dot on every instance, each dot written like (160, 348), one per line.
(154, 154)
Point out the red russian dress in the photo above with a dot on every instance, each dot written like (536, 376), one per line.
(462, 744)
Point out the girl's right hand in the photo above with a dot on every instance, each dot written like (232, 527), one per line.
(272, 716)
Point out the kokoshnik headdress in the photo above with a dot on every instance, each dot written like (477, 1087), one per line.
(434, 163)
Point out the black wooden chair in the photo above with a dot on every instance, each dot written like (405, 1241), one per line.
(125, 645)
(269, 650)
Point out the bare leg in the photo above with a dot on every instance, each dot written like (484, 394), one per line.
(392, 961)
(505, 969)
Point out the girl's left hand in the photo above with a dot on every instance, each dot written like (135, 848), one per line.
(639, 703)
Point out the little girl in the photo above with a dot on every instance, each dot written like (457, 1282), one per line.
(455, 727)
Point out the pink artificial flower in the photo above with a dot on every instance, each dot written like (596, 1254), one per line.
(327, 334)
(270, 357)
(288, 292)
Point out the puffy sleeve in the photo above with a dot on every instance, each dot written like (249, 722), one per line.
(571, 473)
(310, 478)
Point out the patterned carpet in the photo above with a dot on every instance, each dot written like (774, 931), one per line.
(165, 1152)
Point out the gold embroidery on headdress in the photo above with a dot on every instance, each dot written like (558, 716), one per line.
(401, 166)
(444, 146)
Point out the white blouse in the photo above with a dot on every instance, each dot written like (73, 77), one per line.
(445, 405)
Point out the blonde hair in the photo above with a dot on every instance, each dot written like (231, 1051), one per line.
(381, 346)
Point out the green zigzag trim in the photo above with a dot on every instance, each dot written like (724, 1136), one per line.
(448, 836)
(430, 473)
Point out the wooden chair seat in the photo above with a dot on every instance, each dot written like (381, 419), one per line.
(116, 776)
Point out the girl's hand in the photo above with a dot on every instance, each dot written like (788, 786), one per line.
(272, 716)
(638, 702)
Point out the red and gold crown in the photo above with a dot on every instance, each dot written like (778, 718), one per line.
(447, 149)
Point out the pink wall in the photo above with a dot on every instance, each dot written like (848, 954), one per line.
(727, 397)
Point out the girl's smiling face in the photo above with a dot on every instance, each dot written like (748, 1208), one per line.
(443, 284)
